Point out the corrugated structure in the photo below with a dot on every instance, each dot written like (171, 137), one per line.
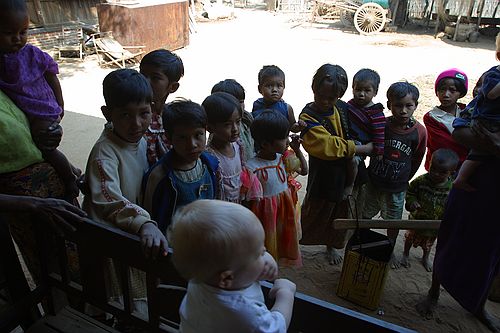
(490, 10)
(50, 12)
(154, 25)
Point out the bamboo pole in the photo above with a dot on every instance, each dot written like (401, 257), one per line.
(480, 12)
(342, 224)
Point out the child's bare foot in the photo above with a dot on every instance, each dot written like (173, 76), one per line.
(427, 306)
(463, 185)
(427, 263)
(491, 322)
(405, 261)
(394, 262)
(347, 191)
(334, 257)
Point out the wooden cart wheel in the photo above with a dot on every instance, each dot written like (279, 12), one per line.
(346, 18)
(369, 18)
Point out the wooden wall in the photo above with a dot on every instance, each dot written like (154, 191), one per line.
(48, 12)
(163, 25)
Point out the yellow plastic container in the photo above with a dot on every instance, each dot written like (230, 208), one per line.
(365, 269)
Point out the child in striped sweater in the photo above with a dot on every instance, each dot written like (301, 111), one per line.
(367, 120)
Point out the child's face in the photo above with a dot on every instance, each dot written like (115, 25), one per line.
(13, 31)
(131, 121)
(363, 92)
(278, 146)
(325, 97)
(188, 142)
(402, 109)
(272, 88)
(448, 93)
(440, 172)
(160, 83)
(228, 131)
(252, 264)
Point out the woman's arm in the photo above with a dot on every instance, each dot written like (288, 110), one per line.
(479, 138)
(59, 213)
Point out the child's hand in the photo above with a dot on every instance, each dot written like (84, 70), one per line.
(48, 139)
(153, 241)
(270, 270)
(413, 206)
(282, 286)
(300, 124)
(295, 142)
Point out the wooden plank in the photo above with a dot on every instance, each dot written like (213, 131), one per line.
(71, 321)
(341, 224)
(311, 314)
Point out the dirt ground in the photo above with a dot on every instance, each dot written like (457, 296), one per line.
(237, 49)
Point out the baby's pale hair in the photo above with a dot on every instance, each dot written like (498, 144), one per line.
(497, 43)
(211, 236)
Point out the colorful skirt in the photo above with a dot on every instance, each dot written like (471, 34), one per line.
(38, 180)
(279, 219)
(467, 258)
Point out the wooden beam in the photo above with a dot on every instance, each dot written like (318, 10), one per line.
(480, 12)
(39, 12)
(341, 224)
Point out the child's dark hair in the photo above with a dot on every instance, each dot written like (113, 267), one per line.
(13, 5)
(183, 112)
(270, 71)
(220, 106)
(400, 89)
(170, 63)
(335, 74)
(445, 157)
(124, 86)
(367, 75)
(269, 126)
(230, 86)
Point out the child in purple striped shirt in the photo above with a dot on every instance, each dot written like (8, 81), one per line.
(367, 120)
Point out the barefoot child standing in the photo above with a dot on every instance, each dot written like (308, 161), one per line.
(277, 209)
(404, 150)
(326, 141)
(425, 200)
(367, 120)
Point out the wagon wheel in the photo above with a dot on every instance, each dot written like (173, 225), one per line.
(346, 17)
(369, 18)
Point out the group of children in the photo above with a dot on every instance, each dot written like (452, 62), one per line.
(151, 170)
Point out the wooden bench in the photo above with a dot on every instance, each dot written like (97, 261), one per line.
(95, 244)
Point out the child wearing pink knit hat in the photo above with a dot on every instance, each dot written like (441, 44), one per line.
(450, 86)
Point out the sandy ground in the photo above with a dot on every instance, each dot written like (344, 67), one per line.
(237, 49)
